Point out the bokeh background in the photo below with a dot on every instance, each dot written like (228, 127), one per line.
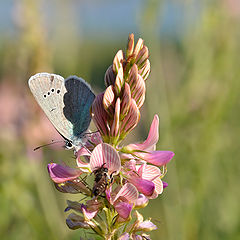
(194, 86)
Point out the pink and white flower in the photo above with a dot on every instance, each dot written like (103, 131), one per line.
(123, 199)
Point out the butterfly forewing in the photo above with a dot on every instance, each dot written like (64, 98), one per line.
(48, 90)
(65, 102)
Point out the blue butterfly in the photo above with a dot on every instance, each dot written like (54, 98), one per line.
(66, 102)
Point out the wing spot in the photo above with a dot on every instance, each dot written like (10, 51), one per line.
(48, 93)
(52, 90)
(52, 78)
(58, 91)
(44, 95)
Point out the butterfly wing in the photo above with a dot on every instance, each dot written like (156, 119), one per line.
(77, 102)
(61, 104)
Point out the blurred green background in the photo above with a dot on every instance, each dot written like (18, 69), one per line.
(194, 86)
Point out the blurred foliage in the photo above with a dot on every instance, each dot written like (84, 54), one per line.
(194, 87)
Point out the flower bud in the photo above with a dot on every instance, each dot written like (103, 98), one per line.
(130, 45)
(109, 100)
(117, 61)
(109, 77)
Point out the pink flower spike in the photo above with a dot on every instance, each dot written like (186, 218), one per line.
(60, 174)
(124, 209)
(150, 143)
(158, 158)
(105, 153)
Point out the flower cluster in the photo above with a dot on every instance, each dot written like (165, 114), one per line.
(125, 177)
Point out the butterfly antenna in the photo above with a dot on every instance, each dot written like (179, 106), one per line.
(44, 145)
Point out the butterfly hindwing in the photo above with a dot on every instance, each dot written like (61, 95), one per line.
(77, 102)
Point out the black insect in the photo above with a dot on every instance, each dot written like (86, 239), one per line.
(101, 181)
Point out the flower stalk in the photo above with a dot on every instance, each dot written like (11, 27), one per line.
(116, 180)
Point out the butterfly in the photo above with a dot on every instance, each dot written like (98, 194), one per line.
(66, 102)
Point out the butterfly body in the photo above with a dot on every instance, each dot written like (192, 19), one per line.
(66, 102)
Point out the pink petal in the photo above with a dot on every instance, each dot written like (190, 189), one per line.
(158, 188)
(95, 138)
(105, 153)
(109, 77)
(84, 166)
(83, 152)
(130, 45)
(165, 184)
(124, 209)
(130, 165)
(146, 226)
(138, 47)
(138, 93)
(158, 185)
(132, 118)
(109, 100)
(115, 125)
(145, 70)
(119, 81)
(150, 143)
(59, 173)
(149, 172)
(136, 237)
(133, 76)
(142, 56)
(125, 100)
(108, 194)
(117, 61)
(141, 202)
(144, 186)
(88, 215)
(129, 192)
(100, 116)
(124, 236)
(158, 158)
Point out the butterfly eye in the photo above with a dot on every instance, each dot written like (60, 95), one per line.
(52, 90)
(58, 91)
